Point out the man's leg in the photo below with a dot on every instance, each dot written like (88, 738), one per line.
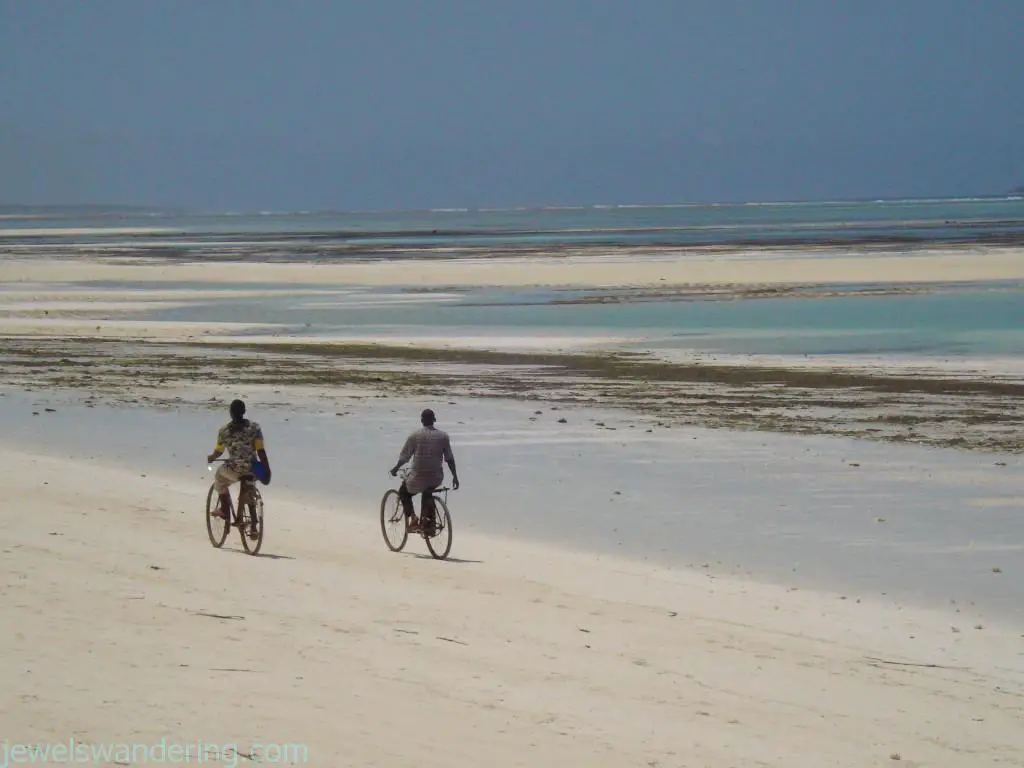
(411, 523)
(254, 531)
(427, 508)
(406, 498)
(222, 481)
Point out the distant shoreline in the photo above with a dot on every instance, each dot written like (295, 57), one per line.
(101, 209)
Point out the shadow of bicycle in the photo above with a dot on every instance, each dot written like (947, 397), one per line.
(457, 560)
(262, 555)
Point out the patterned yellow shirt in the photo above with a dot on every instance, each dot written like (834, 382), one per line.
(241, 441)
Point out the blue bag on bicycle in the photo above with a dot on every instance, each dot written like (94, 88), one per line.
(259, 471)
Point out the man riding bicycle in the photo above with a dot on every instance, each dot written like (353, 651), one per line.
(427, 447)
(242, 439)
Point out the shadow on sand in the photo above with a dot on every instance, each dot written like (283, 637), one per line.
(262, 555)
(422, 556)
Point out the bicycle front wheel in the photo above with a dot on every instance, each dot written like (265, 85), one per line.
(440, 542)
(216, 527)
(392, 521)
(251, 529)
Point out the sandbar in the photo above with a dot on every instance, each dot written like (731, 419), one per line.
(681, 269)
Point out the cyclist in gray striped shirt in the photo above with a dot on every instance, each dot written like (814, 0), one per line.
(427, 447)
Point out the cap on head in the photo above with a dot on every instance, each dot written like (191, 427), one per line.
(427, 417)
(237, 409)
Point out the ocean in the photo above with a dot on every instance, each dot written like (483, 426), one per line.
(965, 220)
(927, 321)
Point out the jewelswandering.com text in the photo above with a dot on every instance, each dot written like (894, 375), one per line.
(163, 752)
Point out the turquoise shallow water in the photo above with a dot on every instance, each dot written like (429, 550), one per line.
(970, 321)
(967, 322)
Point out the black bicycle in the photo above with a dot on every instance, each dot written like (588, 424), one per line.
(247, 515)
(435, 521)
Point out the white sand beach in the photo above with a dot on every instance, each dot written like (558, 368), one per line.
(126, 626)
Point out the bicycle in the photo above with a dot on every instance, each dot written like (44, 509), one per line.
(435, 521)
(248, 508)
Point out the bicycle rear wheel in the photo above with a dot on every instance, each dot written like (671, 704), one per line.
(440, 542)
(393, 524)
(252, 511)
(216, 527)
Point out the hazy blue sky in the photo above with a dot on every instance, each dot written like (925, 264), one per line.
(371, 104)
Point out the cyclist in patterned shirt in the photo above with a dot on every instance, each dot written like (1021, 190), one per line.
(241, 438)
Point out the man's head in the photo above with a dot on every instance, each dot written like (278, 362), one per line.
(237, 410)
(427, 418)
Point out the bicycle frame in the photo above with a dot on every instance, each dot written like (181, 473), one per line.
(247, 490)
(403, 475)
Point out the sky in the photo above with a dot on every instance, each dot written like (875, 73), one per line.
(231, 105)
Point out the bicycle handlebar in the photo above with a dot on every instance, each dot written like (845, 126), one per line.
(209, 464)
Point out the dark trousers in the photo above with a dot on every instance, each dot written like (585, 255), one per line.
(426, 501)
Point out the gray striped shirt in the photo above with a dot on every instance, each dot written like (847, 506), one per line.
(427, 447)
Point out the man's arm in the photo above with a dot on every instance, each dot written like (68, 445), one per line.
(449, 458)
(265, 462)
(217, 450)
(261, 451)
(407, 451)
